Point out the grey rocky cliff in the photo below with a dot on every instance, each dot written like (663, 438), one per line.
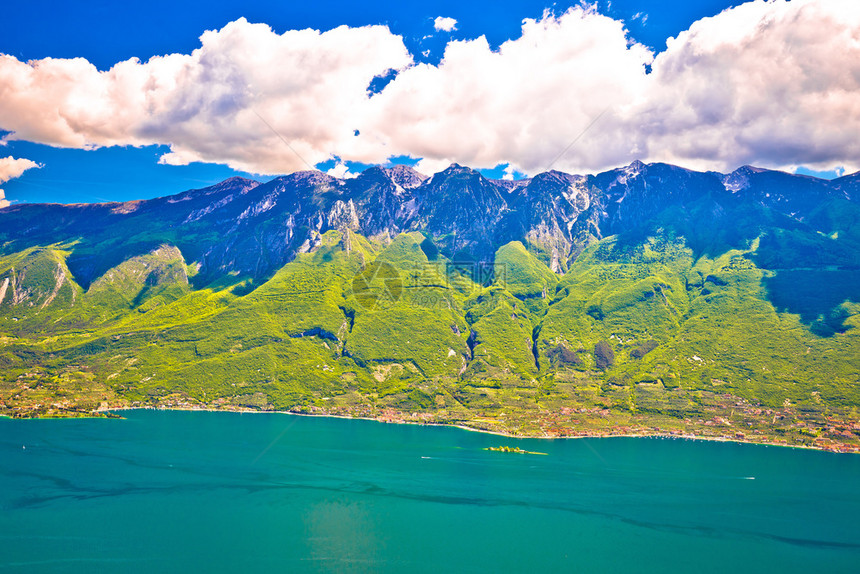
(249, 228)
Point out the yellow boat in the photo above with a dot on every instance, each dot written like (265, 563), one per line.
(513, 449)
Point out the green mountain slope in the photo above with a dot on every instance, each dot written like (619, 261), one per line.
(718, 319)
(648, 331)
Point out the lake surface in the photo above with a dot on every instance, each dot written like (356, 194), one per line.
(226, 492)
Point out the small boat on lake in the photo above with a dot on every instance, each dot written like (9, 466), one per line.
(513, 449)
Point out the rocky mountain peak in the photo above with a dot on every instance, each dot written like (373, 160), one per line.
(849, 186)
(249, 227)
(553, 178)
(308, 178)
(235, 181)
(456, 170)
(405, 176)
(635, 167)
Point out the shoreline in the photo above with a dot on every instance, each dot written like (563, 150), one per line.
(661, 435)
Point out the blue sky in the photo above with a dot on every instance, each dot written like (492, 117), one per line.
(105, 33)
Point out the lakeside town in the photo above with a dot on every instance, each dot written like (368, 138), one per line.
(723, 418)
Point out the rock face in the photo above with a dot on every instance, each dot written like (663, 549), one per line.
(251, 228)
(37, 279)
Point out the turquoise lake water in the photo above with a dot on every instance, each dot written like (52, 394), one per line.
(225, 492)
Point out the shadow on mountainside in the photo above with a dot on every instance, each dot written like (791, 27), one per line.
(817, 295)
(810, 270)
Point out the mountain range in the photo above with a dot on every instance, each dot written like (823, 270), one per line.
(644, 295)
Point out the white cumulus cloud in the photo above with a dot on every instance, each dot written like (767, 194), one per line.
(767, 83)
(445, 24)
(523, 103)
(772, 83)
(236, 100)
(10, 168)
(341, 171)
